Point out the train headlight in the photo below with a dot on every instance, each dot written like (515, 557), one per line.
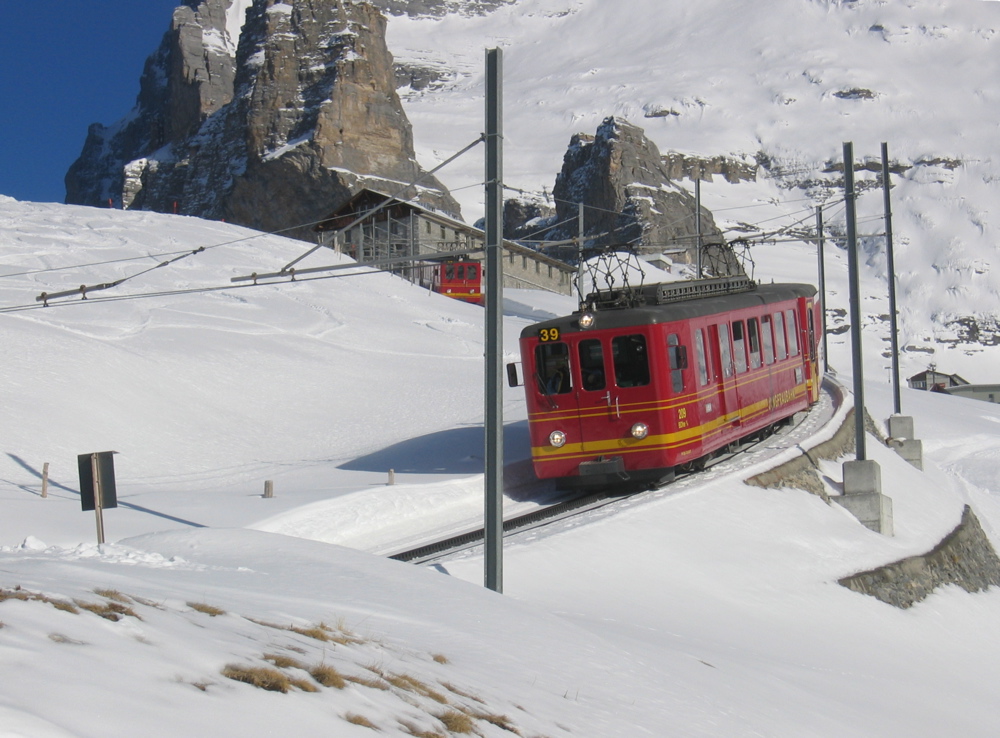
(640, 431)
(586, 320)
(557, 438)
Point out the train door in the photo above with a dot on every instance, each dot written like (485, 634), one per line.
(725, 376)
(812, 353)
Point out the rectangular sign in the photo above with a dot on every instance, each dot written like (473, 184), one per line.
(105, 482)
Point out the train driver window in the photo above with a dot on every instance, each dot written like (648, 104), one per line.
(699, 350)
(793, 333)
(753, 339)
(592, 364)
(449, 272)
(631, 360)
(552, 368)
(724, 350)
(779, 336)
(739, 347)
(471, 271)
(767, 338)
(677, 355)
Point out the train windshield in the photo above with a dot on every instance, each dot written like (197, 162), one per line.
(592, 364)
(552, 368)
(631, 360)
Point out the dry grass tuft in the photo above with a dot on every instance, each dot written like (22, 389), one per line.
(113, 611)
(304, 684)
(211, 610)
(416, 732)
(284, 662)
(361, 720)
(461, 693)
(113, 594)
(440, 658)
(409, 683)
(501, 721)
(457, 722)
(262, 677)
(371, 683)
(328, 676)
(25, 596)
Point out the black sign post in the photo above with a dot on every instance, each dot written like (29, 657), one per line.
(97, 485)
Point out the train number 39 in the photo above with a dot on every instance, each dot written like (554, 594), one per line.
(548, 334)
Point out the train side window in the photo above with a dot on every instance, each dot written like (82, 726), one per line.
(677, 355)
(779, 336)
(793, 333)
(753, 339)
(699, 350)
(631, 360)
(724, 351)
(592, 364)
(767, 339)
(739, 347)
(552, 368)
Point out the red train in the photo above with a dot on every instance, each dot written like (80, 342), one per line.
(634, 386)
(461, 279)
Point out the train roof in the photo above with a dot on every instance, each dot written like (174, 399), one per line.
(668, 312)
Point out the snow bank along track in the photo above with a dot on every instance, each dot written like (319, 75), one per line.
(826, 416)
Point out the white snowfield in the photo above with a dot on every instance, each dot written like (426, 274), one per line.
(707, 609)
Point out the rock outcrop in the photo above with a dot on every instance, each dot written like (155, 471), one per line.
(629, 198)
(965, 557)
(273, 132)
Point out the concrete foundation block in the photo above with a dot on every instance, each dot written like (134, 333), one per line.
(862, 476)
(863, 496)
(900, 426)
(911, 450)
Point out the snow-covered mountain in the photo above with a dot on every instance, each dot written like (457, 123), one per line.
(781, 84)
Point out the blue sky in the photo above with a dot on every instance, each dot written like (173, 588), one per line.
(65, 64)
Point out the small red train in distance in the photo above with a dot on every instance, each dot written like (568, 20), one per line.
(460, 279)
(632, 387)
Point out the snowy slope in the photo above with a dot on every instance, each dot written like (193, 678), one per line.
(704, 610)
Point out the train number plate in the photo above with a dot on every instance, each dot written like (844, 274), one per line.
(546, 335)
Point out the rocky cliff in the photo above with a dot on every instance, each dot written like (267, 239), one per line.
(629, 198)
(271, 122)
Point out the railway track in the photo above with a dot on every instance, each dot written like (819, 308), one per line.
(432, 551)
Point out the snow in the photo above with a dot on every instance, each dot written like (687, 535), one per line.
(707, 608)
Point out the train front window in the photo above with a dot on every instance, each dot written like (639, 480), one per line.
(592, 364)
(552, 368)
(472, 272)
(631, 360)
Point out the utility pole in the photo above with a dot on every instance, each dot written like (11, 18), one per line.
(891, 267)
(697, 219)
(579, 253)
(493, 528)
(862, 492)
(822, 285)
(855, 300)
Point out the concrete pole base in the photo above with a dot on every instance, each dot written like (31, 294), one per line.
(901, 440)
(863, 496)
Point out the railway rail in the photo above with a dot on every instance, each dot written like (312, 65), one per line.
(435, 550)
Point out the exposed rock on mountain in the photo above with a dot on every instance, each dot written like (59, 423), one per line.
(629, 198)
(273, 133)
